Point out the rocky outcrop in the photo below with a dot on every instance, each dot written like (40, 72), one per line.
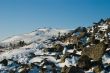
(95, 52)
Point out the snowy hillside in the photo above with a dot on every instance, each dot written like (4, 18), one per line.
(83, 50)
(37, 36)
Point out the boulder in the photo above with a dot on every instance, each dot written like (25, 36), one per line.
(84, 62)
(95, 52)
(74, 69)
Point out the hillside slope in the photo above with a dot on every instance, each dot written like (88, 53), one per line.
(37, 36)
(83, 50)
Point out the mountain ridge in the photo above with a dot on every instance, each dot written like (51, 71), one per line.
(39, 32)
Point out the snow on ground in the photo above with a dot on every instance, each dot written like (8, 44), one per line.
(16, 53)
(70, 50)
(36, 59)
(21, 54)
(69, 62)
(34, 70)
(40, 58)
(38, 52)
(60, 65)
(50, 58)
(79, 52)
(106, 58)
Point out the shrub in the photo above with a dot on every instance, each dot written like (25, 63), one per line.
(4, 62)
(49, 50)
(58, 48)
(55, 48)
(21, 43)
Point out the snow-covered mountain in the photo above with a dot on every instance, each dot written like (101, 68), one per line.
(37, 36)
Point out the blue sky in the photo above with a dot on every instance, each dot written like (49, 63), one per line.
(21, 16)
